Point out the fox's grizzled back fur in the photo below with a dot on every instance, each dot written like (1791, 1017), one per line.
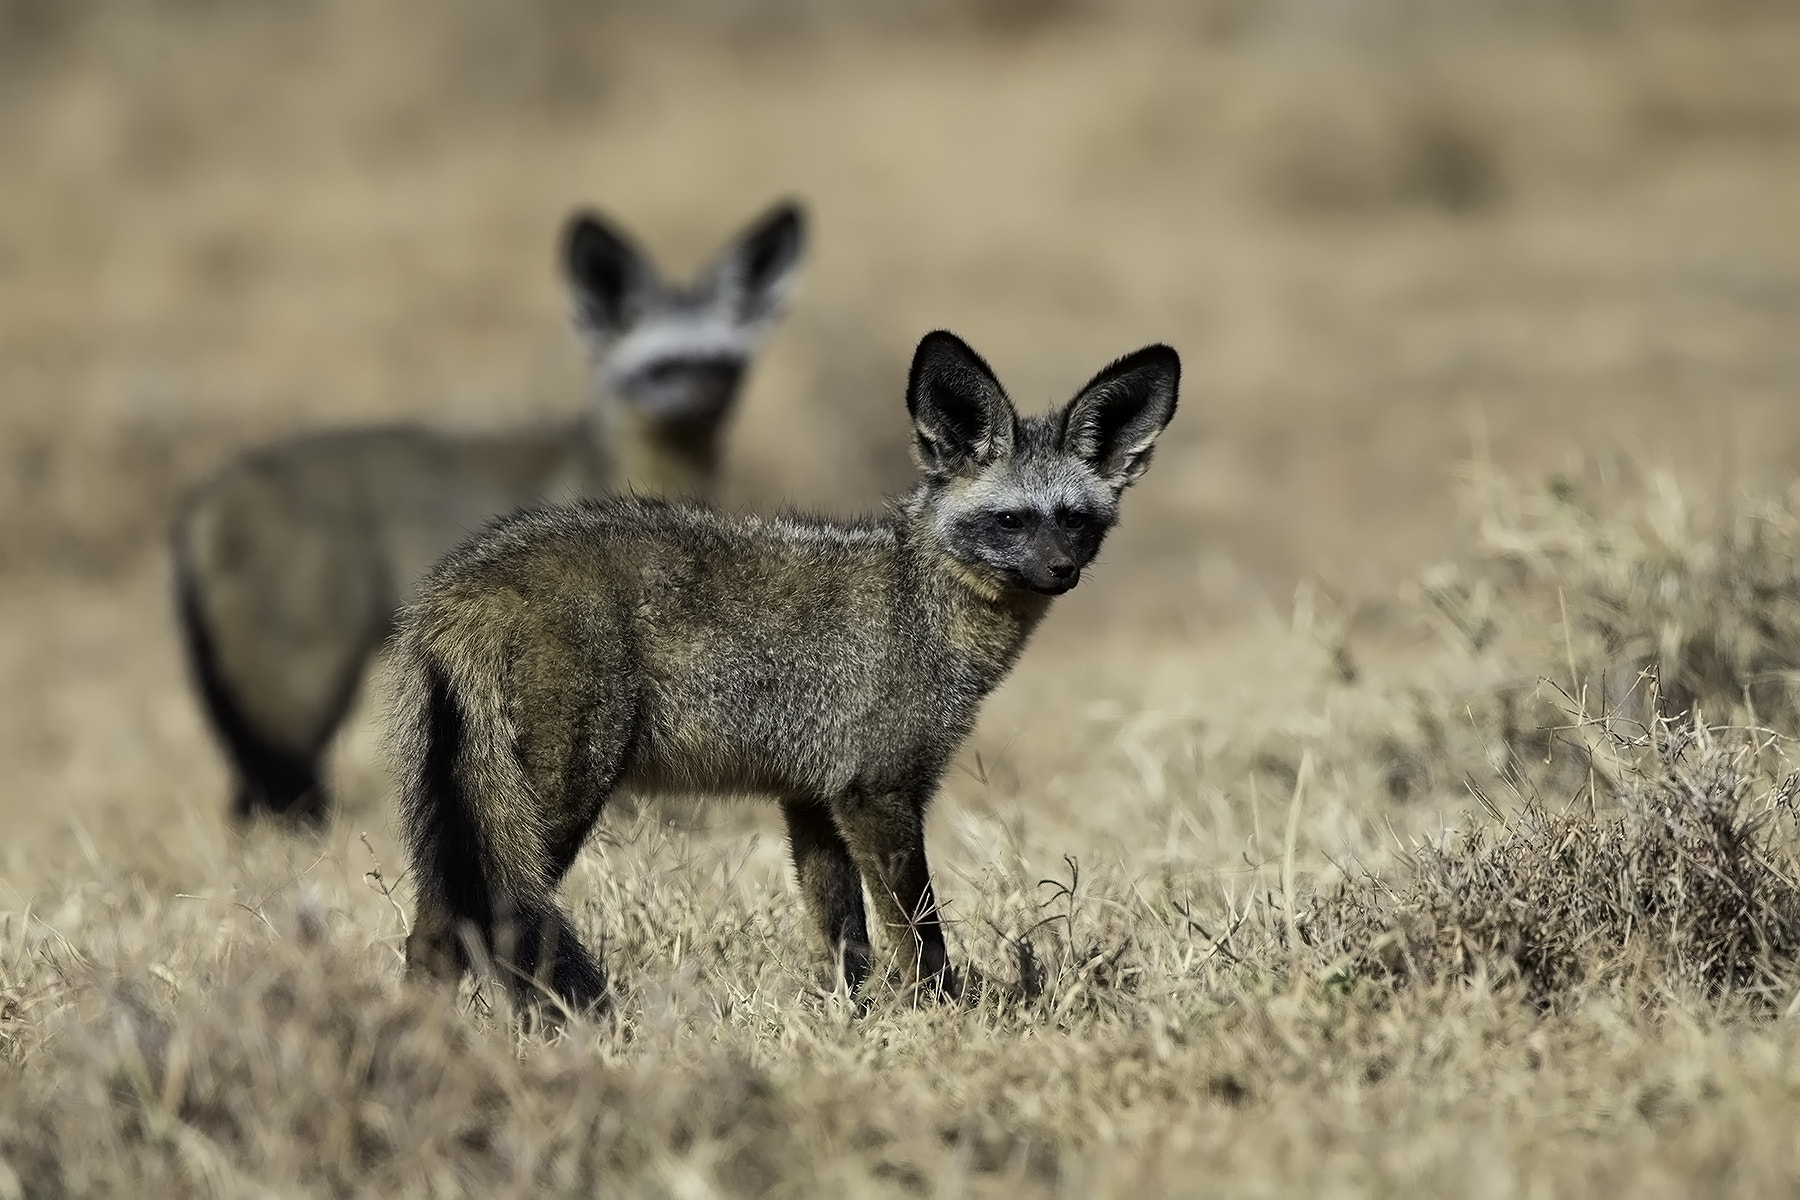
(834, 666)
(291, 562)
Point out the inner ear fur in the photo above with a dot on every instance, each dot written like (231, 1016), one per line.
(1114, 421)
(961, 415)
(758, 266)
(605, 270)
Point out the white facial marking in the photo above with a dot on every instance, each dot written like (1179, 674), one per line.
(698, 336)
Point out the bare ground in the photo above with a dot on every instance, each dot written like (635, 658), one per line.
(1397, 251)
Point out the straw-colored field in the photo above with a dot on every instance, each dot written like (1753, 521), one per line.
(1400, 251)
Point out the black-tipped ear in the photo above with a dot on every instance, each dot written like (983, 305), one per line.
(961, 416)
(607, 273)
(756, 270)
(1113, 422)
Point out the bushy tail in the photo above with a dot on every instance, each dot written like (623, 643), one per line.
(474, 829)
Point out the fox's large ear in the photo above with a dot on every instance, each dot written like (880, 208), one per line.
(961, 416)
(755, 272)
(1113, 422)
(609, 277)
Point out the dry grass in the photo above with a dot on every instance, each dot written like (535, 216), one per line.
(1621, 601)
(1216, 848)
(1702, 600)
(1160, 1034)
(1688, 888)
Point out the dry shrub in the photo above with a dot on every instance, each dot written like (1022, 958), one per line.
(1705, 603)
(1687, 885)
(1628, 602)
(1640, 687)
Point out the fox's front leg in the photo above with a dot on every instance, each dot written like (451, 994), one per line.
(831, 888)
(886, 835)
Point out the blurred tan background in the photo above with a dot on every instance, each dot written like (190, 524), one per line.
(1385, 236)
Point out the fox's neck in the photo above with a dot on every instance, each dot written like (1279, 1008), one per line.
(982, 625)
(653, 457)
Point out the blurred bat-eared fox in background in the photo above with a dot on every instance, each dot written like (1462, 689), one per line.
(291, 562)
(833, 666)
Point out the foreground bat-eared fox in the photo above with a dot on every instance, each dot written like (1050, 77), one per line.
(291, 562)
(832, 666)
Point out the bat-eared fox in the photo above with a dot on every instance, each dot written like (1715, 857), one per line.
(291, 562)
(832, 666)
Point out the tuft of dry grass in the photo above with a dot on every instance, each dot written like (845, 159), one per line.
(1590, 604)
(1688, 885)
(1703, 601)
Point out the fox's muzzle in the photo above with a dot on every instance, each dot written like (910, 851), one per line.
(685, 389)
(1052, 567)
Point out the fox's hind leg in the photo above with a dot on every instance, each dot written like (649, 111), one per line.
(533, 946)
(434, 947)
(533, 941)
(287, 784)
(277, 784)
(831, 887)
(488, 853)
(278, 637)
(574, 729)
(269, 778)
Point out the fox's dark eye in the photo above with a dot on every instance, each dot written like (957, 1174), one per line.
(1074, 520)
(1009, 520)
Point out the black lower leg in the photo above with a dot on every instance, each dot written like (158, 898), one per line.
(830, 887)
(886, 836)
(271, 783)
(539, 952)
(272, 780)
(434, 948)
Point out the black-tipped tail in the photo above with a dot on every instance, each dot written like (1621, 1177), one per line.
(455, 899)
(528, 941)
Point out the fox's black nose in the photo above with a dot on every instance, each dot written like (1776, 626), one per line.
(1061, 570)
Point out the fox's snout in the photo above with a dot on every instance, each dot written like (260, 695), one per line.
(675, 390)
(1052, 566)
